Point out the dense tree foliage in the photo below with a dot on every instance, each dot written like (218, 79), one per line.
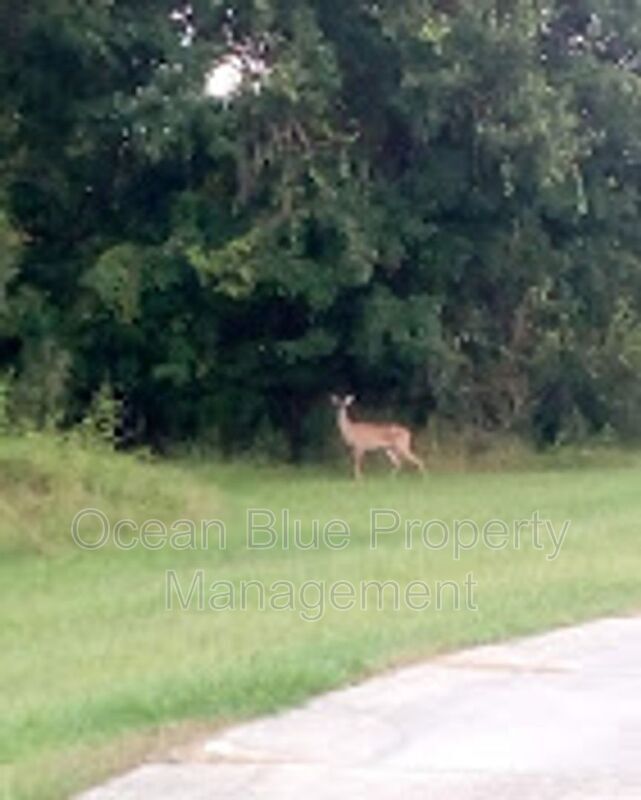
(434, 203)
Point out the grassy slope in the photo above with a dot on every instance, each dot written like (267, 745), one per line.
(92, 665)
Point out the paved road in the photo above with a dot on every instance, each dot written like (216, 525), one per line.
(553, 717)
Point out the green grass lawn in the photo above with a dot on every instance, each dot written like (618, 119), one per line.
(95, 671)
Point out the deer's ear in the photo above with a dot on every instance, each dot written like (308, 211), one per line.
(349, 399)
(333, 399)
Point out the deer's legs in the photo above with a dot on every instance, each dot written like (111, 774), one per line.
(408, 455)
(357, 455)
(394, 458)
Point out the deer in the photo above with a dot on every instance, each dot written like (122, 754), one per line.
(364, 437)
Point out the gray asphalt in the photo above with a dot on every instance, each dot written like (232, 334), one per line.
(556, 716)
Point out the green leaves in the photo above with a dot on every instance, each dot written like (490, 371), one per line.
(232, 270)
(10, 247)
(117, 280)
(433, 202)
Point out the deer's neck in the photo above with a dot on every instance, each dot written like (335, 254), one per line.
(344, 425)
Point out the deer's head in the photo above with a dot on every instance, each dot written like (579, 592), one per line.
(342, 402)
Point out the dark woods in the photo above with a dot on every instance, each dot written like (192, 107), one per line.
(434, 204)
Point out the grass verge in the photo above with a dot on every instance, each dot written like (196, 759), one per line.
(96, 671)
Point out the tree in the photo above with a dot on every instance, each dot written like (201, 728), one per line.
(432, 203)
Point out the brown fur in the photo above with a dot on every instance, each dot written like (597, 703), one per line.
(365, 437)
